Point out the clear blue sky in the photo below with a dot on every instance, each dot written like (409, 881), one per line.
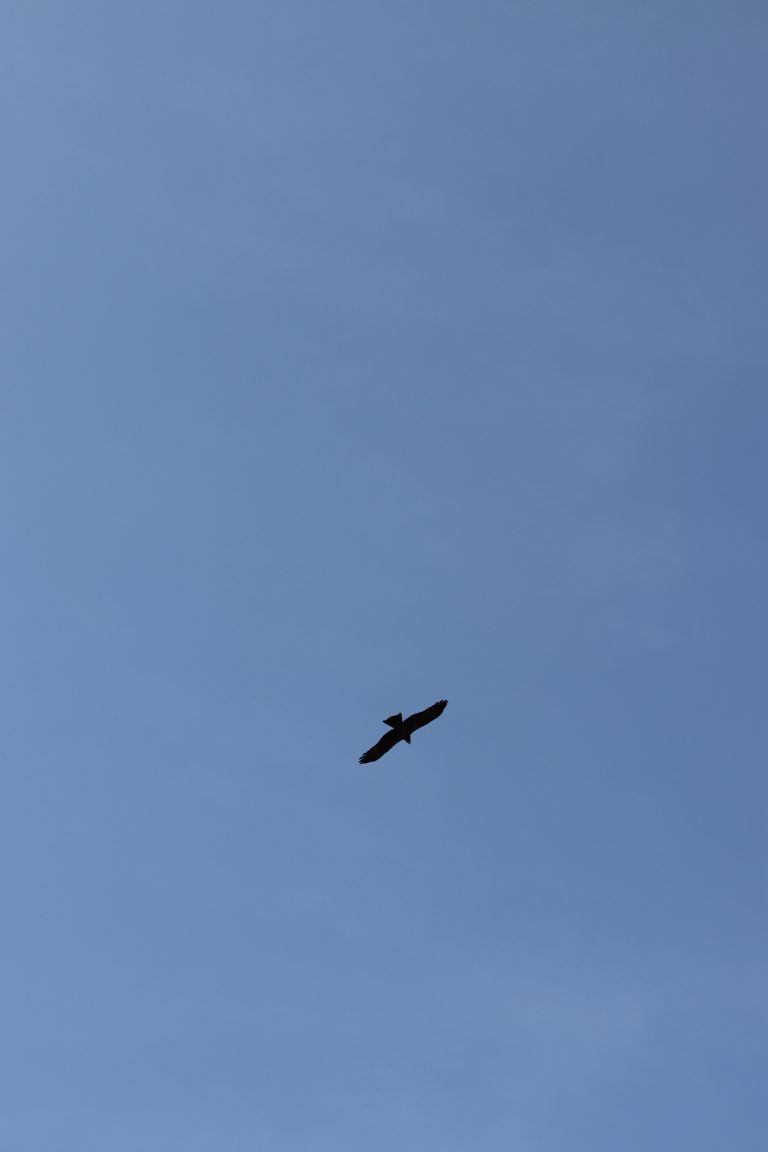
(354, 355)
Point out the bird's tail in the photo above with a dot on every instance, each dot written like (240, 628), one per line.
(394, 721)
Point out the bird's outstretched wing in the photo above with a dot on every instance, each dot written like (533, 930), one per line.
(419, 719)
(388, 740)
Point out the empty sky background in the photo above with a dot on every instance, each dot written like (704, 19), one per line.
(354, 355)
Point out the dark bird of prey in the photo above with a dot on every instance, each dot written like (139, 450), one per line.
(401, 730)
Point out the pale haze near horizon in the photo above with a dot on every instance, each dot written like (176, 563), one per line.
(355, 356)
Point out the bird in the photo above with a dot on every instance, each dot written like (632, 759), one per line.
(402, 730)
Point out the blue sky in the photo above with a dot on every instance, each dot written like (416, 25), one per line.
(351, 356)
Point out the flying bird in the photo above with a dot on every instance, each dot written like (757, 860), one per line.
(402, 729)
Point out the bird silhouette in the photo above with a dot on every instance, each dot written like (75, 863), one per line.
(402, 730)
